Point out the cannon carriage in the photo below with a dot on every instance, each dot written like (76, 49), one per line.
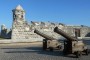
(48, 41)
(72, 45)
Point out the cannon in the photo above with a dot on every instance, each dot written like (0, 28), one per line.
(72, 45)
(49, 42)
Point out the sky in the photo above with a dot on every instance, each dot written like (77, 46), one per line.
(70, 12)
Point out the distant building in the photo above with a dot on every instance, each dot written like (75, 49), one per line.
(24, 31)
(5, 33)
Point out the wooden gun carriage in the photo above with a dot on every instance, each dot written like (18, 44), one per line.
(49, 42)
(72, 45)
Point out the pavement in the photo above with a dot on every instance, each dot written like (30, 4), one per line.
(33, 51)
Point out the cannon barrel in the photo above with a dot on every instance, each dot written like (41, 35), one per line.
(43, 35)
(64, 34)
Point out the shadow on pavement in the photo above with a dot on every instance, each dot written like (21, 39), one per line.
(37, 50)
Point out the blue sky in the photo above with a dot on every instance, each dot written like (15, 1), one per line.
(71, 12)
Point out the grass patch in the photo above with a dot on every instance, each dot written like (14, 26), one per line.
(1, 38)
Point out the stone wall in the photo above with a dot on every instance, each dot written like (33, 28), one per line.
(5, 33)
(22, 31)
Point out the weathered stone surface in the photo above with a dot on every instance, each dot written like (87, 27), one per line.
(22, 31)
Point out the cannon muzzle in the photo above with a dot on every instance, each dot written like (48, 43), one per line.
(44, 35)
(64, 34)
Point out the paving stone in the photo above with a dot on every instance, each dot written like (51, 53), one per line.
(34, 53)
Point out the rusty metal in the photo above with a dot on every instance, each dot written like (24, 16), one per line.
(67, 36)
(49, 42)
(72, 45)
(44, 35)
